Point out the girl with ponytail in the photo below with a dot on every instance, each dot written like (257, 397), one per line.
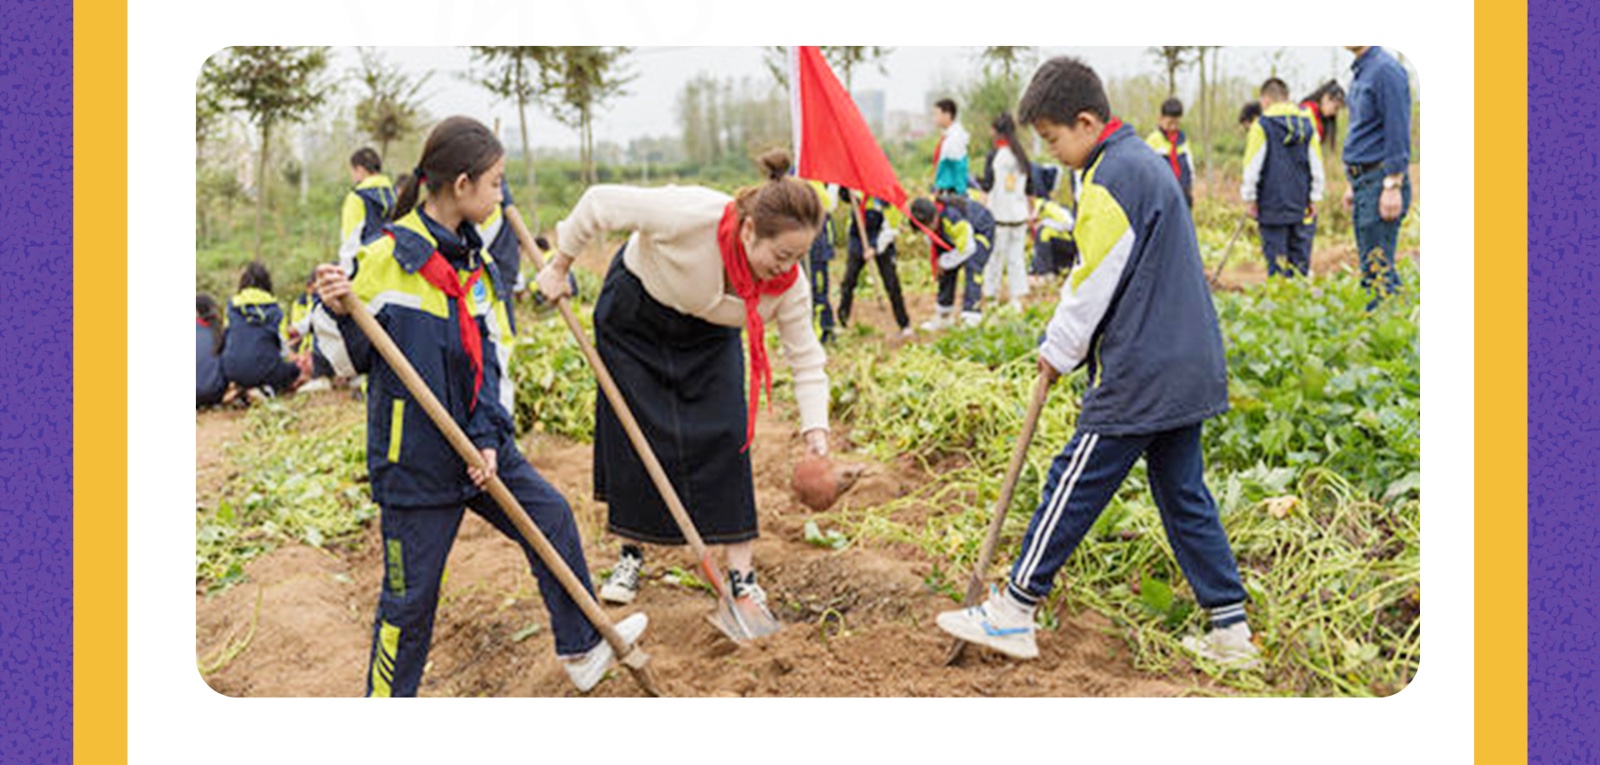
(698, 266)
(427, 280)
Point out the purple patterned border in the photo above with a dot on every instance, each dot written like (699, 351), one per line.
(1563, 364)
(36, 382)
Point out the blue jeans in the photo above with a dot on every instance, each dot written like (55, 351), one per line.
(1081, 482)
(1377, 238)
(416, 542)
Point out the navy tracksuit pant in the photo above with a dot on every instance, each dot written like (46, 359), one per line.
(416, 542)
(1081, 482)
(1287, 246)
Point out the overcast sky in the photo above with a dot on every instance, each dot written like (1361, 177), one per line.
(647, 108)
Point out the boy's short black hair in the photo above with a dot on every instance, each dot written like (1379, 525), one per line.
(256, 275)
(923, 210)
(1063, 88)
(1250, 112)
(1172, 107)
(947, 106)
(1275, 88)
(366, 158)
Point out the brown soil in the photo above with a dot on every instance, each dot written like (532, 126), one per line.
(859, 622)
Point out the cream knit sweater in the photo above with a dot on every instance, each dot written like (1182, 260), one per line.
(673, 250)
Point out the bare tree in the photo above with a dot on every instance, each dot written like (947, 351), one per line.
(1174, 58)
(513, 73)
(843, 58)
(576, 82)
(391, 109)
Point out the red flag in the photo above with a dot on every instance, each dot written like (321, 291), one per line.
(832, 142)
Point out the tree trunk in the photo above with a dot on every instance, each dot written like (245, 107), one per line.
(261, 182)
(527, 157)
(1172, 78)
(1204, 157)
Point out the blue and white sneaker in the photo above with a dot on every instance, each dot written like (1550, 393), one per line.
(996, 623)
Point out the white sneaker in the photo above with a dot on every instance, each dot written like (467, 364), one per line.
(906, 333)
(588, 669)
(995, 623)
(1228, 645)
(623, 583)
(936, 324)
(971, 318)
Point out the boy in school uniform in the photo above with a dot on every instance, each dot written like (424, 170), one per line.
(1139, 314)
(1054, 250)
(876, 244)
(1169, 140)
(1283, 179)
(821, 254)
(967, 228)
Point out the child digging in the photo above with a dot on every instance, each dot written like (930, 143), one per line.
(1137, 311)
(428, 278)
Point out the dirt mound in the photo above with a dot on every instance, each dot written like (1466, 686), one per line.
(858, 621)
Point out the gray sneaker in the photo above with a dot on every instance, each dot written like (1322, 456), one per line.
(1229, 646)
(623, 583)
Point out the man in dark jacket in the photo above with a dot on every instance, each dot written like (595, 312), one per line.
(1377, 159)
(1138, 313)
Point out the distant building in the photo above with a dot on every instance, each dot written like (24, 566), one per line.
(906, 125)
(872, 104)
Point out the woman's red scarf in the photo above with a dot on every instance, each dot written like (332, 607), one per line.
(745, 285)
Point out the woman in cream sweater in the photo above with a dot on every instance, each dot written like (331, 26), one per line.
(698, 265)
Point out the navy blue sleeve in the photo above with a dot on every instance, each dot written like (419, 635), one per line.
(1394, 99)
(356, 344)
(987, 181)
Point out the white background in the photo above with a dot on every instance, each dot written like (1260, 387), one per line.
(175, 717)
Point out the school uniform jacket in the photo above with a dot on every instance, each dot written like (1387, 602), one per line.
(1283, 165)
(1137, 309)
(209, 384)
(1054, 221)
(256, 337)
(408, 458)
(883, 226)
(966, 231)
(1174, 148)
(500, 239)
(361, 220)
(950, 159)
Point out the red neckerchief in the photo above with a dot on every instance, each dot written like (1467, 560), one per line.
(1000, 143)
(1111, 127)
(1172, 152)
(1316, 115)
(737, 264)
(933, 252)
(441, 274)
(202, 322)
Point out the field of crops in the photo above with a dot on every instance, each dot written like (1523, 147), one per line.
(1316, 469)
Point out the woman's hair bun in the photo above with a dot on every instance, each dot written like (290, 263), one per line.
(775, 163)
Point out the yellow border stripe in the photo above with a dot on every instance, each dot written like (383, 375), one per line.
(1501, 409)
(100, 382)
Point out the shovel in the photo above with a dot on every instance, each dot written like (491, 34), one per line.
(630, 656)
(739, 623)
(1228, 250)
(1019, 455)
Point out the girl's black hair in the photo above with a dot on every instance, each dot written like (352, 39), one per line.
(1006, 127)
(206, 308)
(1250, 112)
(256, 275)
(1063, 88)
(1330, 122)
(457, 146)
(367, 159)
